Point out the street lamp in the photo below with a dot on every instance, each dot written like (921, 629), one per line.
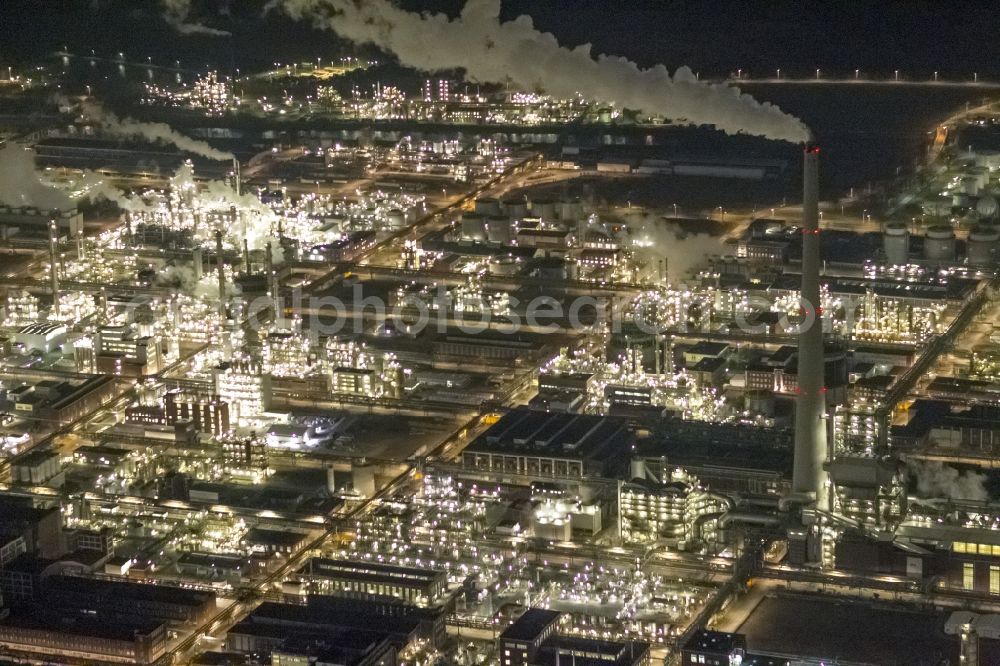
(779, 72)
(817, 73)
(857, 73)
(896, 74)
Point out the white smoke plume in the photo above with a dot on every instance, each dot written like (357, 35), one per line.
(20, 184)
(659, 239)
(154, 132)
(492, 51)
(177, 15)
(93, 186)
(937, 480)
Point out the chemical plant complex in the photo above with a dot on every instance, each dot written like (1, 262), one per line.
(306, 366)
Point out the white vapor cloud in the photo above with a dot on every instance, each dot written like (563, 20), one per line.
(20, 184)
(492, 51)
(683, 251)
(155, 132)
(937, 480)
(176, 14)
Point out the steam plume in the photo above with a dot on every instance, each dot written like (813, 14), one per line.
(176, 13)
(936, 480)
(683, 251)
(20, 184)
(492, 51)
(155, 132)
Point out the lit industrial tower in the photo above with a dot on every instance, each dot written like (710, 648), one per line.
(54, 265)
(221, 264)
(808, 476)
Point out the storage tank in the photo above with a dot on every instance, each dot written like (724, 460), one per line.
(498, 229)
(896, 243)
(939, 244)
(552, 268)
(504, 266)
(473, 227)
(570, 209)
(572, 269)
(396, 218)
(981, 174)
(488, 206)
(970, 185)
(960, 200)
(988, 158)
(544, 208)
(981, 248)
(515, 209)
(987, 207)
(760, 401)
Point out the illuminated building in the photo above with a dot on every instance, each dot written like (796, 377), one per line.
(209, 413)
(650, 510)
(94, 639)
(363, 580)
(245, 388)
(244, 456)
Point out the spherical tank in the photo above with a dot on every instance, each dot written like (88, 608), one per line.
(987, 207)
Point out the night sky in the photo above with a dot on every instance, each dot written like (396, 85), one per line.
(711, 36)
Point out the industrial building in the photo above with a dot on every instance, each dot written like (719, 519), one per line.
(363, 580)
(537, 444)
(534, 639)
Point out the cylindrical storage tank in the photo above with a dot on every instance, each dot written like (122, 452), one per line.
(759, 401)
(473, 227)
(515, 209)
(551, 269)
(572, 269)
(570, 209)
(504, 266)
(498, 229)
(488, 206)
(544, 208)
(981, 174)
(396, 218)
(987, 207)
(939, 244)
(896, 243)
(988, 158)
(981, 248)
(970, 185)
(960, 200)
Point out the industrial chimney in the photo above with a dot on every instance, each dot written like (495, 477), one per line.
(221, 264)
(809, 479)
(54, 265)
